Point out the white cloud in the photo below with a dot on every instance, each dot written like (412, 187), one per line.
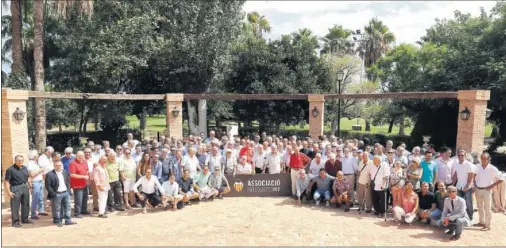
(407, 20)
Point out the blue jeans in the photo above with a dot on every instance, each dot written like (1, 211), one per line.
(80, 201)
(436, 216)
(318, 193)
(468, 196)
(61, 205)
(37, 197)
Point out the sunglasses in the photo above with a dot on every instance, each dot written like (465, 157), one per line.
(452, 191)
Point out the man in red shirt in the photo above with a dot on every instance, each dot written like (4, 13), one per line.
(78, 182)
(248, 151)
(298, 161)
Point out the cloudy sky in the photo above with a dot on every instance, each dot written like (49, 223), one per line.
(407, 20)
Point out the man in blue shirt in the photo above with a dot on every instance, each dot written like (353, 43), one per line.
(67, 158)
(429, 174)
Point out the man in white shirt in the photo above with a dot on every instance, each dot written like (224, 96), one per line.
(243, 168)
(285, 159)
(137, 154)
(486, 178)
(36, 173)
(273, 161)
(379, 176)
(91, 184)
(191, 162)
(148, 196)
(259, 159)
(464, 171)
(349, 166)
(364, 179)
(316, 164)
(129, 173)
(45, 160)
(211, 138)
(130, 137)
(172, 193)
(214, 159)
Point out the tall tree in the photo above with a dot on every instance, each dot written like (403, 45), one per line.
(337, 41)
(17, 46)
(377, 42)
(260, 25)
(38, 55)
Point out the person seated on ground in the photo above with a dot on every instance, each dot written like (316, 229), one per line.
(302, 184)
(219, 183)
(441, 195)
(409, 205)
(171, 190)
(427, 204)
(201, 181)
(148, 195)
(322, 187)
(243, 168)
(187, 187)
(454, 214)
(342, 191)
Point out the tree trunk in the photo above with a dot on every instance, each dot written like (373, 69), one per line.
(17, 45)
(38, 54)
(60, 128)
(334, 126)
(142, 121)
(401, 125)
(202, 109)
(367, 125)
(391, 125)
(191, 118)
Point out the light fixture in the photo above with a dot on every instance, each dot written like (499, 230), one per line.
(340, 76)
(315, 112)
(19, 115)
(175, 112)
(488, 113)
(465, 114)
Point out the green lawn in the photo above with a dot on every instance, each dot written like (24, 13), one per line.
(157, 124)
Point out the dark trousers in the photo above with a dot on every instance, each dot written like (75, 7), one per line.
(258, 170)
(80, 201)
(61, 204)
(114, 198)
(378, 201)
(153, 199)
(21, 200)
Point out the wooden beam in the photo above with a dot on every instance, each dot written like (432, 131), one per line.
(229, 97)
(95, 96)
(396, 95)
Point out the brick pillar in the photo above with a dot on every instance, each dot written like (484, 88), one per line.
(174, 124)
(316, 123)
(14, 133)
(471, 133)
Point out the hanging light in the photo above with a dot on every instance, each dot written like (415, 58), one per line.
(175, 112)
(488, 113)
(315, 112)
(19, 115)
(465, 114)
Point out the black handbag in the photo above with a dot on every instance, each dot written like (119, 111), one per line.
(372, 181)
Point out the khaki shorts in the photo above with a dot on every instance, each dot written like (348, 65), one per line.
(128, 185)
(177, 197)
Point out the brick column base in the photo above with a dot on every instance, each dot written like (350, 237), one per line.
(471, 133)
(316, 104)
(174, 124)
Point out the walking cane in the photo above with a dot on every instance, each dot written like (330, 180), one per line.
(363, 201)
(386, 201)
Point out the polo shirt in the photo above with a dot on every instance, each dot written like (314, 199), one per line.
(113, 169)
(333, 168)
(16, 175)
(185, 185)
(323, 183)
(429, 168)
(130, 168)
(486, 177)
(32, 167)
(79, 168)
(202, 179)
(66, 162)
(170, 189)
(426, 201)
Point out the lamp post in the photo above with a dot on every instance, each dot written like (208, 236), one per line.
(340, 77)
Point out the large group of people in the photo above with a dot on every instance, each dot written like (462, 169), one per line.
(433, 188)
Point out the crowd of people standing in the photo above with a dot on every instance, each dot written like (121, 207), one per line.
(419, 185)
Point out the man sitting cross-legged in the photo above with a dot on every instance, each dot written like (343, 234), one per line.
(219, 182)
(342, 191)
(172, 193)
(148, 195)
(187, 187)
(201, 181)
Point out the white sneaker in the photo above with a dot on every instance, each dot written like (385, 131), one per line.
(327, 204)
(317, 203)
(144, 210)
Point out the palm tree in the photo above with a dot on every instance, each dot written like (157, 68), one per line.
(305, 35)
(15, 31)
(259, 24)
(377, 42)
(337, 41)
(63, 8)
